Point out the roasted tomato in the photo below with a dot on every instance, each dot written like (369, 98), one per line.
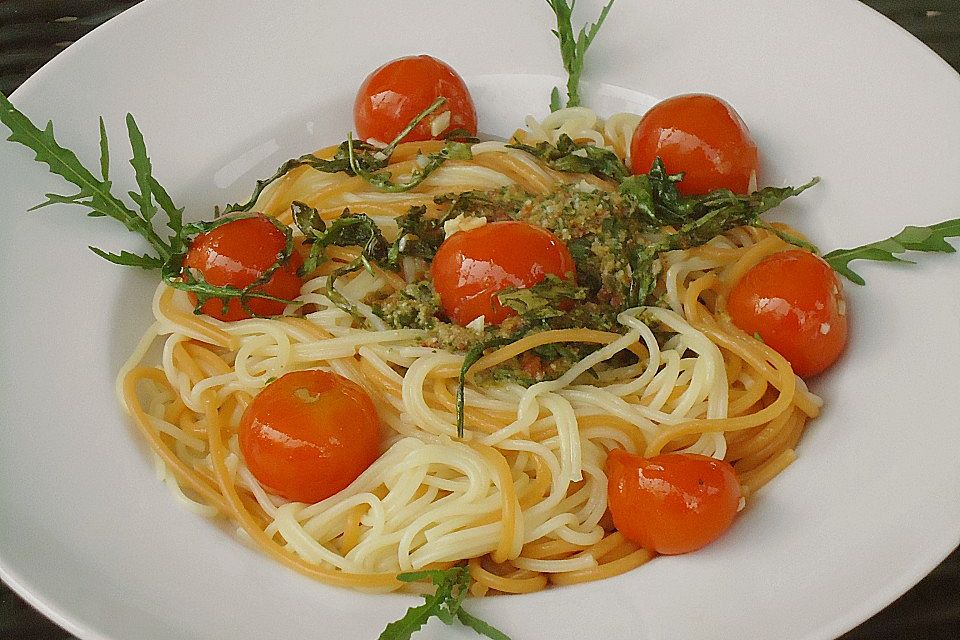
(237, 254)
(672, 503)
(309, 434)
(702, 136)
(794, 302)
(472, 266)
(397, 92)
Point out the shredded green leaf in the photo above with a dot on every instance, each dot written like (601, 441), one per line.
(470, 358)
(542, 300)
(573, 48)
(427, 164)
(931, 239)
(338, 163)
(193, 281)
(445, 603)
(708, 216)
(349, 230)
(358, 158)
(419, 236)
(575, 157)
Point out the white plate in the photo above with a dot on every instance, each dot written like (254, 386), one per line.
(829, 88)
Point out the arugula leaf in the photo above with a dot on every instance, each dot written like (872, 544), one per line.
(573, 48)
(127, 259)
(95, 193)
(104, 152)
(307, 219)
(931, 239)
(575, 157)
(367, 165)
(436, 104)
(540, 301)
(471, 357)
(445, 603)
(334, 294)
(654, 196)
(309, 160)
(722, 210)
(480, 626)
(192, 280)
(355, 157)
(371, 158)
(500, 203)
(349, 230)
(708, 216)
(313, 228)
(143, 171)
(419, 236)
(174, 216)
(383, 180)
(461, 135)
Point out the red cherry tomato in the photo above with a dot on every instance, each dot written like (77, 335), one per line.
(397, 92)
(700, 135)
(472, 266)
(309, 434)
(673, 503)
(237, 253)
(794, 301)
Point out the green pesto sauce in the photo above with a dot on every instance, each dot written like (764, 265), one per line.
(595, 225)
(414, 307)
(615, 238)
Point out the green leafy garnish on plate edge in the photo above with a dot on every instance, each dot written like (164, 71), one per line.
(930, 239)
(445, 603)
(573, 48)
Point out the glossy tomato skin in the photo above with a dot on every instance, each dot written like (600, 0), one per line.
(471, 267)
(237, 253)
(673, 503)
(309, 434)
(397, 92)
(794, 301)
(702, 136)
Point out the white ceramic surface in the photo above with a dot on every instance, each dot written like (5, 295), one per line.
(224, 90)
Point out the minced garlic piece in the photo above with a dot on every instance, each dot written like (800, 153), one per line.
(585, 187)
(440, 124)
(477, 324)
(462, 223)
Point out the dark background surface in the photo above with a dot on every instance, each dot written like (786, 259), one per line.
(33, 31)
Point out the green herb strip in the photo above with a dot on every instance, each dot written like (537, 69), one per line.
(445, 603)
(931, 239)
(573, 48)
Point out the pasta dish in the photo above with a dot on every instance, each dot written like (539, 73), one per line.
(523, 494)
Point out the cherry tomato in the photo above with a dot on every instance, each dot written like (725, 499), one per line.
(472, 266)
(237, 253)
(397, 92)
(794, 301)
(700, 135)
(672, 503)
(309, 434)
